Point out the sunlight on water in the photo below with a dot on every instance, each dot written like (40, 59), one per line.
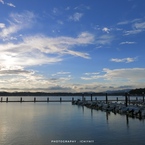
(42, 123)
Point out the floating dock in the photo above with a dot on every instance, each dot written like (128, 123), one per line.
(132, 108)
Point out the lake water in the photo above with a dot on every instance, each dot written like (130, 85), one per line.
(57, 123)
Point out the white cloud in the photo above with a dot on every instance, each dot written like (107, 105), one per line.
(11, 5)
(17, 23)
(115, 79)
(128, 22)
(126, 60)
(93, 73)
(127, 42)
(61, 73)
(76, 16)
(104, 39)
(28, 81)
(2, 25)
(18, 79)
(123, 23)
(60, 79)
(40, 49)
(25, 18)
(36, 49)
(127, 77)
(127, 74)
(90, 76)
(131, 32)
(1, 1)
(105, 29)
(7, 31)
(82, 7)
(137, 27)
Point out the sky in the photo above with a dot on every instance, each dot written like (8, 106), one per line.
(72, 45)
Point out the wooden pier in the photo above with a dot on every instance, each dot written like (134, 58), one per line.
(34, 100)
(126, 99)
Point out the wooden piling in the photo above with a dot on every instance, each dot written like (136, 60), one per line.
(91, 97)
(48, 99)
(82, 96)
(1, 99)
(136, 99)
(72, 99)
(34, 99)
(126, 100)
(143, 96)
(140, 116)
(127, 120)
(7, 99)
(21, 99)
(129, 98)
(117, 99)
(106, 98)
(60, 99)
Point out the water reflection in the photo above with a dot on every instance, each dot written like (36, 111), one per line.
(39, 123)
(127, 121)
(107, 115)
(91, 113)
(112, 116)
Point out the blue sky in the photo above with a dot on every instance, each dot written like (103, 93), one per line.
(71, 45)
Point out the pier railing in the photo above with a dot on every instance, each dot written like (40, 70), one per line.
(127, 99)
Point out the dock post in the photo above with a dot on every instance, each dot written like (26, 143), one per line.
(136, 99)
(143, 96)
(140, 116)
(82, 96)
(60, 99)
(91, 97)
(48, 99)
(72, 99)
(21, 99)
(34, 99)
(126, 100)
(117, 99)
(129, 98)
(106, 98)
(1, 99)
(7, 99)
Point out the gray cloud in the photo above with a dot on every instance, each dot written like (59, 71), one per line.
(15, 72)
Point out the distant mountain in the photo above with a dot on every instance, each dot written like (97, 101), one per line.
(118, 91)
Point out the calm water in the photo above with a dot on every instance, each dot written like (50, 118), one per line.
(43, 123)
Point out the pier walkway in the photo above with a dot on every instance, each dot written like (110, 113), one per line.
(126, 99)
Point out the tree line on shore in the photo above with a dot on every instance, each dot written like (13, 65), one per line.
(139, 91)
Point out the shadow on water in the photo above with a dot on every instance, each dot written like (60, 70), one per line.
(81, 107)
(91, 113)
(108, 115)
(127, 121)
